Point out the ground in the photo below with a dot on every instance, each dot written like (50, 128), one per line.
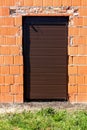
(33, 106)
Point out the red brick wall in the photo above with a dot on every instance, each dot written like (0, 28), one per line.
(77, 51)
(11, 59)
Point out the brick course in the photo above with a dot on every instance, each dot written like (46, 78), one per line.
(11, 58)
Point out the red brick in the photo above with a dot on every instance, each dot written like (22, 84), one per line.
(19, 40)
(80, 40)
(2, 40)
(17, 2)
(6, 98)
(72, 70)
(75, 59)
(57, 2)
(47, 3)
(75, 41)
(73, 98)
(9, 79)
(83, 2)
(72, 79)
(82, 70)
(78, 21)
(66, 2)
(21, 89)
(82, 60)
(21, 69)
(28, 2)
(85, 21)
(18, 98)
(1, 2)
(72, 50)
(18, 21)
(1, 60)
(18, 59)
(14, 50)
(5, 89)
(2, 79)
(76, 2)
(8, 3)
(4, 50)
(83, 31)
(18, 79)
(80, 80)
(8, 30)
(37, 2)
(82, 50)
(10, 41)
(4, 11)
(8, 21)
(14, 69)
(79, 60)
(70, 60)
(85, 79)
(72, 89)
(82, 97)
(1, 21)
(4, 70)
(73, 31)
(8, 60)
(83, 11)
(16, 89)
(82, 89)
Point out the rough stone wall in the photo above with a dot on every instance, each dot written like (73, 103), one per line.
(11, 59)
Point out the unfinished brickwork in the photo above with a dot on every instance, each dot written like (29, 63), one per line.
(11, 58)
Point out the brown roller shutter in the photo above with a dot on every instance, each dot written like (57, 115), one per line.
(47, 65)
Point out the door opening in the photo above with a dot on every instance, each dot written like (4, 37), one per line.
(45, 41)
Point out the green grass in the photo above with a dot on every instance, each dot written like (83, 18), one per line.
(45, 119)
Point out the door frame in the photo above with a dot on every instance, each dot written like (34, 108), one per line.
(38, 20)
